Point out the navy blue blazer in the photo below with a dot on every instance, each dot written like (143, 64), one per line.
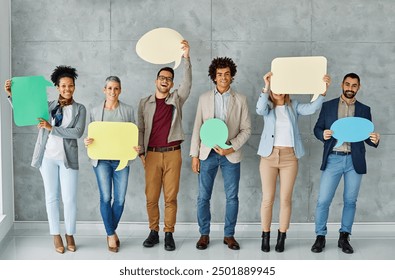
(328, 116)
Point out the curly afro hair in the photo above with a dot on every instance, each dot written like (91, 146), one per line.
(221, 62)
(62, 71)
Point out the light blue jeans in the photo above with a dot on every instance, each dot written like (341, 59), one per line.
(111, 182)
(231, 174)
(57, 178)
(337, 166)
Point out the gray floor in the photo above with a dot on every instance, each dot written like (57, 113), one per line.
(31, 241)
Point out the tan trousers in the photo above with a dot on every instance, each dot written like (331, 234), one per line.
(162, 169)
(281, 163)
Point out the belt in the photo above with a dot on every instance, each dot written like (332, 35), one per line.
(164, 149)
(341, 153)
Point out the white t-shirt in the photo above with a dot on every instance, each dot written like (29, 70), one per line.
(54, 148)
(283, 134)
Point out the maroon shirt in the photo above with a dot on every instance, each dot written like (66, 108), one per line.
(161, 125)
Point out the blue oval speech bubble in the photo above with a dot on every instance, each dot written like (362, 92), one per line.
(214, 132)
(351, 129)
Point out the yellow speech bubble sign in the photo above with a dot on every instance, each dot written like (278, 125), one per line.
(160, 46)
(113, 141)
(299, 75)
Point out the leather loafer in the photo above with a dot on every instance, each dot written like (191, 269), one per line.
(232, 243)
(203, 242)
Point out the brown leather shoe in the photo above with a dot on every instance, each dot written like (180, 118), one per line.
(58, 242)
(232, 243)
(70, 243)
(203, 242)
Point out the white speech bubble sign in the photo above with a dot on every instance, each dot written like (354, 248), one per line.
(299, 75)
(161, 46)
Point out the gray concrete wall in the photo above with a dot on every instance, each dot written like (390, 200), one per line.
(99, 37)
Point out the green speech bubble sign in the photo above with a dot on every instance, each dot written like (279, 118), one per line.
(113, 141)
(29, 99)
(214, 132)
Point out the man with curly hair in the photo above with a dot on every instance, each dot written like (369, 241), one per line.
(231, 107)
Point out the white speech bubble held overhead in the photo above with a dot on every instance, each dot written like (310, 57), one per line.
(161, 46)
(299, 75)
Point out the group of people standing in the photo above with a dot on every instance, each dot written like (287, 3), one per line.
(160, 138)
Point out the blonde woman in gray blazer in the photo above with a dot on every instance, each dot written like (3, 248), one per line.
(112, 184)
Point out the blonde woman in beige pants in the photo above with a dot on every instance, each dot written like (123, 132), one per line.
(280, 148)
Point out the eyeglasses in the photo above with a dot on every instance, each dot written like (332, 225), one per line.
(163, 78)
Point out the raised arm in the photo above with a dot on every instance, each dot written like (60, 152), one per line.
(264, 104)
(7, 87)
(185, 87)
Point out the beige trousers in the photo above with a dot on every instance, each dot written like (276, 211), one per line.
(281, 163)
(162, 169)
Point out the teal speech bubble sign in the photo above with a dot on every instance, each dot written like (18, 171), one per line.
(29, 99)
(351, 129)
(214, 132)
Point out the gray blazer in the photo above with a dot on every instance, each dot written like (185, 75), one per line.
(96, 115)
(70, 134)
(238, 122)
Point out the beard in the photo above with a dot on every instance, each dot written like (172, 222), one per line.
(349, 94)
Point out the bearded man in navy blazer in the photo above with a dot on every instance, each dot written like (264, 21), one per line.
(348, 160)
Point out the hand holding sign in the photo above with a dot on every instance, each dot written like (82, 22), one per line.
(214, 132)
(160, 46)
(351, 129)
(29, 99)
(113, 141)
(299, 75)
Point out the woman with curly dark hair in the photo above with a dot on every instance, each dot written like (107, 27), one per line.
(56, 154)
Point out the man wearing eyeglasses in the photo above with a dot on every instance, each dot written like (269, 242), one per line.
(160, 137)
